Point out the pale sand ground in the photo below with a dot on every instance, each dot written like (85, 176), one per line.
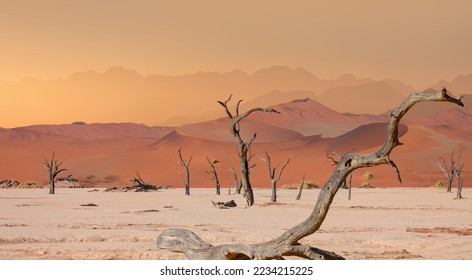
(375, 224)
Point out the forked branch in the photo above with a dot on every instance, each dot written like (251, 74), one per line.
(287, 244)
(185, 165)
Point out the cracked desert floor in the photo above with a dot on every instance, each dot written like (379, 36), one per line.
(395, 223)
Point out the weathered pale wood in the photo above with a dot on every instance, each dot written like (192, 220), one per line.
(224, 205)
(449, 172)
(287, 243)
(300, 188)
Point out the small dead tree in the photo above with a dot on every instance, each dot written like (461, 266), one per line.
(243, 147)
(459, 178)
(185, 166)
(272, 170)
(300, 188)
(235, 176)
(287, 244)
(449, 172)
(53, 169)
(140, 185)
(213, 174)
(344, 185)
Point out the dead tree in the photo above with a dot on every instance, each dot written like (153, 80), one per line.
(141, 186)
(272, 170)
(185, 166)
(459, 178)
(235, 176)
(300, 188)
(53, 170)
(288, 244)
(213, 174)
(448, 171)
(344, 185)
(243, 147)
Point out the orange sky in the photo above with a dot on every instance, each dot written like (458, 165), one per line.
(417, 42)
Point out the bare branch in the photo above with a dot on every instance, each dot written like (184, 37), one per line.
(395, 168)
(257, 109)
(332, 158)
(287, 244)
(300, 188)
(185, 165)
(237, 107)
(225, 106)
(282, 169)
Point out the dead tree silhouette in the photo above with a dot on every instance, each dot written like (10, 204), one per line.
(213, 174)
(243, 147)
(288, 244)
(449, 172)
(53, 170)
(272, 176)
(185, 166)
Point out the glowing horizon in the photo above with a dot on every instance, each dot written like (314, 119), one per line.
(416, 42)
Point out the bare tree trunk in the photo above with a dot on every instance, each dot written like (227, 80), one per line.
(459, 187)
(213, 174)
(53, 170)
(448, 171)
(300, 188)
(274, 179)
(52, 186)
(335, 162)
(287, 244)
(350, 186)
(185, 166)
(238, 184)
(459, 178)
(243, 147)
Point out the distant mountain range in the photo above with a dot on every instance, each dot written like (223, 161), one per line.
(123, 95)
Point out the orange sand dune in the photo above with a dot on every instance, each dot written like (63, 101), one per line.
(143, 150)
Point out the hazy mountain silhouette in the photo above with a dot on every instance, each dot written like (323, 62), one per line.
(123, 95)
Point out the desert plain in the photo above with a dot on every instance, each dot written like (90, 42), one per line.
(380, 223)
(415, 219)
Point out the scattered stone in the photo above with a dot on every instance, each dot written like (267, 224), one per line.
(147, 211)
(89, 205)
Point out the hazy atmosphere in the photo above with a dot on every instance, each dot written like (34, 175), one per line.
(106, 103)
(417, 42)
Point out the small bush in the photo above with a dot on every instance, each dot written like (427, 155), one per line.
(439, 184)
(28, 185)
(368, 176)
(309, 184)
(111, 179)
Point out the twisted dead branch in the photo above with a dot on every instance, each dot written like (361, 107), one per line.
(287, 244)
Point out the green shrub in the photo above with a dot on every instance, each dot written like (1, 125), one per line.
(368, 176)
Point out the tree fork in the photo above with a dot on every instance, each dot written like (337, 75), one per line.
(194, 247)
(243, 147)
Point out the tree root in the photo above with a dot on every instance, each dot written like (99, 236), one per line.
(195, 248)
